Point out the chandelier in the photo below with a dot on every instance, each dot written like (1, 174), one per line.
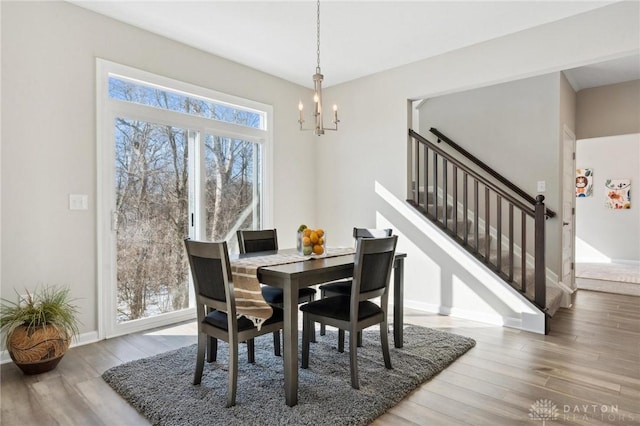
(317, 94)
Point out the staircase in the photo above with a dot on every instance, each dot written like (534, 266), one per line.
(485, 213)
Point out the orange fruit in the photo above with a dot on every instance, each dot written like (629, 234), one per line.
(321, 241)
(320, 232)
(317, 249)
(306, 232)
(314, 237)
(306, 241)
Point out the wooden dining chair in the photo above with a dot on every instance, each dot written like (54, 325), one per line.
(216, 311)
(372, 271)
(264, 240)
(343, 287)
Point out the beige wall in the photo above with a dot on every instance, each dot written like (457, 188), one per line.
(49, 151)
(602, 233)
(501, 123)
(358, 178)
(567, 107)
(608, 110)
(367, 157)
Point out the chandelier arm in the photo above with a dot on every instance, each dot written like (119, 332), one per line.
(317, 86)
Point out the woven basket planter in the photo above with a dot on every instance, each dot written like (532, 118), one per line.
(38, 349)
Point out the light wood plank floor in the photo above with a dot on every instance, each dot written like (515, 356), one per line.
(589, 367)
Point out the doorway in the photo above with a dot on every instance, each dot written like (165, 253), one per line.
(607, 249)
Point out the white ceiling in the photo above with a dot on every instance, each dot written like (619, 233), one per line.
(603, 73)
(358, 37)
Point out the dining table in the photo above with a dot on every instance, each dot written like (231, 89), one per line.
(310, 271)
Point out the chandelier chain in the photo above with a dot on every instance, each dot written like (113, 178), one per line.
(318, 128)
(318, 33)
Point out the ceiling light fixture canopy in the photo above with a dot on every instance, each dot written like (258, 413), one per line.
(317, 94)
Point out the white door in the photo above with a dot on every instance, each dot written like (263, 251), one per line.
(568, 208)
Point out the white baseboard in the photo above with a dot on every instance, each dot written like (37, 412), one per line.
(482, 317)
(596, 260)
(626, 261)
(82, 339)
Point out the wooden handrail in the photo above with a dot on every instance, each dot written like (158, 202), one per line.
(443, 162)
(525, 207)
(442, 137)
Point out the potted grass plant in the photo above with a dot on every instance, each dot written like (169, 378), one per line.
(38, 329)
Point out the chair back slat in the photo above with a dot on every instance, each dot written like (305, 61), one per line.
(372, 267)
(371, 233)
(374, 271)
(210, 269)
(207, 277)
(251, 241)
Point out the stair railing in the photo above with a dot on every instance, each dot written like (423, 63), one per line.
(442, 137)
(447, 176)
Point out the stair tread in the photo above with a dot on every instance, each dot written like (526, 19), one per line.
(553, 294)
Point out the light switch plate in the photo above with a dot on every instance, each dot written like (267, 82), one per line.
(78, 202)
(542, 186)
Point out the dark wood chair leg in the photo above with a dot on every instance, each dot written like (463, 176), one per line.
(212, 349)
(233, 373)
(322, 326)
(340, 340)
(251, 351)
(312, 325)
(312, 331)
(276, 343)
(202, 342)
(353, 359)
(305, 340)
(384, 339)
(359, 339)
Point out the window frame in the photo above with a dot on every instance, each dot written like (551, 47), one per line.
(107, 109)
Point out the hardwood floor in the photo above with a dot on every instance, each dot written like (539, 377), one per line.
(588, 367)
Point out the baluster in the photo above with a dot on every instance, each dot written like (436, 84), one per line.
(499, 232)
(455, 200)
(540, 268)
(445, 192)
(523, 253)
(511, 242)
(416, 177)
(435, 185)
(426, 177)
(465, 201)
(487, 224)
(475, 214)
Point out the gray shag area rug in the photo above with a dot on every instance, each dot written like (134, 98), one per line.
(160, 387)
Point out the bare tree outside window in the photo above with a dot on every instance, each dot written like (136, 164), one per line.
(152, 195)
(230, 184)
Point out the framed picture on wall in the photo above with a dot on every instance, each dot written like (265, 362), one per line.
(584, 183)
(617, 193)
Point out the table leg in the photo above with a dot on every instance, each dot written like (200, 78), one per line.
(290, 342)
(398, 302)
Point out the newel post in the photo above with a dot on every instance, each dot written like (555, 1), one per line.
(540, 267)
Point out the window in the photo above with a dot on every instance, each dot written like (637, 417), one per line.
(176, 160)
(144, 93)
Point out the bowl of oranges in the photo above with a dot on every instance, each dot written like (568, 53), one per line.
(311, 242)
